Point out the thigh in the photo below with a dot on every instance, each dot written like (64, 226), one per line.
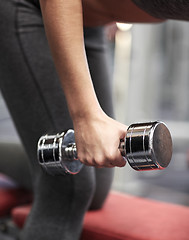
(28, 79)
(32, 91)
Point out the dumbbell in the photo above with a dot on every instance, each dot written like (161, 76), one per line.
(147, 146)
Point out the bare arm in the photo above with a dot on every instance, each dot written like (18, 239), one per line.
(64, 28)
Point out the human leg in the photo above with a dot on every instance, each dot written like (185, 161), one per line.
(39, 107)
(36, 102)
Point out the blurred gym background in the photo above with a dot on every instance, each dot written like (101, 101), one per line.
(150, 69)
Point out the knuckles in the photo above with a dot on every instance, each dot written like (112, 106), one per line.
(108, 159)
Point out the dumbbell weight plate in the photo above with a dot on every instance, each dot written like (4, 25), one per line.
(69, 154)
(57, 154)
(148, 146)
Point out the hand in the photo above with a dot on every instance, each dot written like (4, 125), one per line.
(97, 140)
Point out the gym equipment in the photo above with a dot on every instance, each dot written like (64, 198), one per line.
(126, 217)
(147, 146)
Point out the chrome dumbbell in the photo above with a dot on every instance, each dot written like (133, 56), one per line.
(147, 146)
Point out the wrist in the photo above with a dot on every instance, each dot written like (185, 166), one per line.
(86, 113)
(81, 99)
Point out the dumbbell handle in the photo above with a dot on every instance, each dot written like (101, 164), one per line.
(70, 151)
(147, 146)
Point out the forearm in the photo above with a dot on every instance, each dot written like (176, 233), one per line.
(64, 28)
(169, 9)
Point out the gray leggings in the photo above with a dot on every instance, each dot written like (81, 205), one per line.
(33, 94)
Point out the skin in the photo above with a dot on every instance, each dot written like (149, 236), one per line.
(63, 20)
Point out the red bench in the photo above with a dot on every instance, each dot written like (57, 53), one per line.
(11, 196)
(125, 217)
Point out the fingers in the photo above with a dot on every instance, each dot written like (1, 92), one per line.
(118, 161)
(104, 155)
(109, 160)
(98, 141)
